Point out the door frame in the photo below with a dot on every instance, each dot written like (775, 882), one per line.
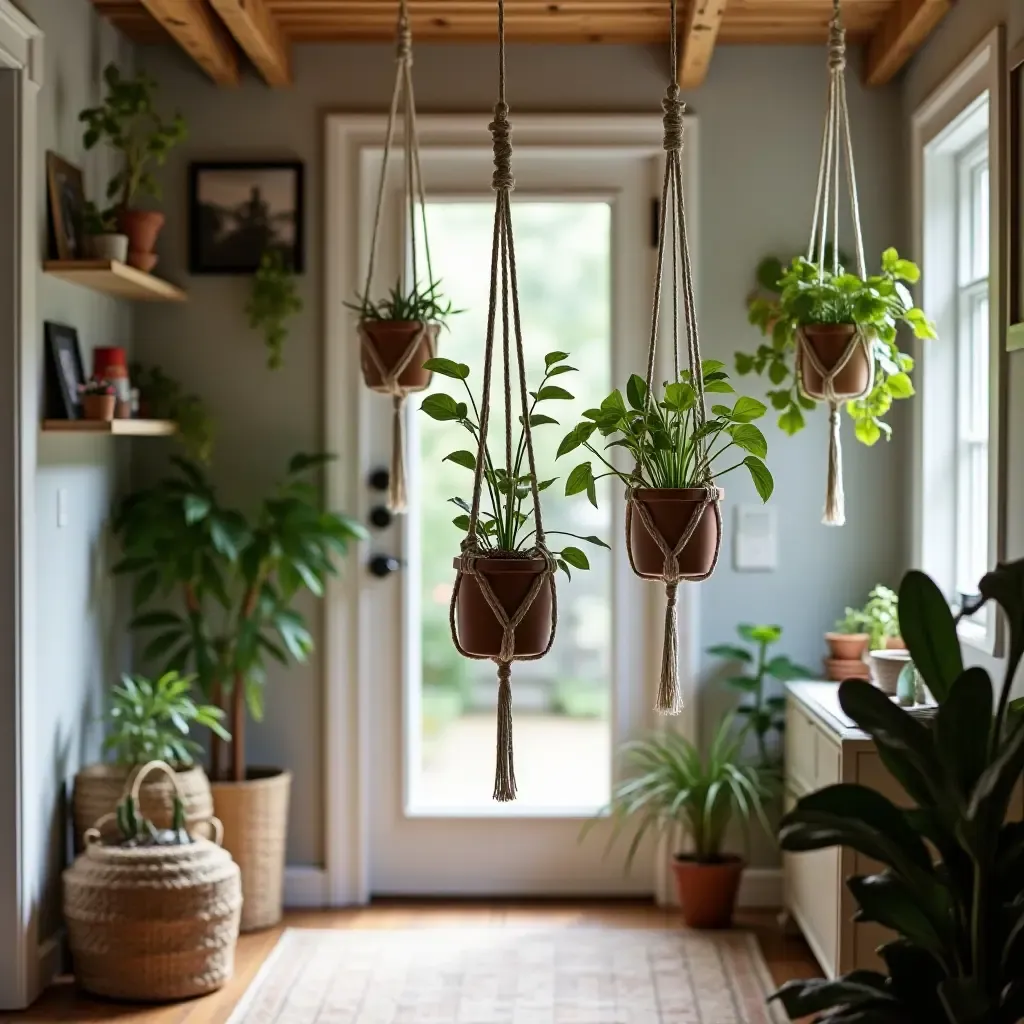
(23, 962)
(348, 668)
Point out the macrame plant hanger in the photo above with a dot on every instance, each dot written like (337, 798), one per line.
(673, 226)
(837, 141)
(424, 339)
(503, 256)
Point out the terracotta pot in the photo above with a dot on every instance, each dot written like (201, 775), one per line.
(390, 339)
(510, 578)
(142, 228)
(838, 671)
(98, 407)
(254, 814)
(895, 643)
(829, 342)
(847, 646)
(707, 892)
(671, 508)
(886, 667)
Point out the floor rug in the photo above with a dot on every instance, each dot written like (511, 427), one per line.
(512, 975)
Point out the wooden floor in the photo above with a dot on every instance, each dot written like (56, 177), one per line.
(787, 957)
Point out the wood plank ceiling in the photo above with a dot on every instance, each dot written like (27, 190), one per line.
(214, 31)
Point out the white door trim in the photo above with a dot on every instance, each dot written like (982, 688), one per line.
(348, 661)
(21, 51)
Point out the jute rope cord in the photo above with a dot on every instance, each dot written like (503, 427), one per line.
(836, 141)
(503, 255)
(414, 192)
(673, 226)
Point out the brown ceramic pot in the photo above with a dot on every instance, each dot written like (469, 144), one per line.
(99, 407)
(829, 342)
(510, 578)
(671, 509)
(142, 228)
(895, 643)
(847, 646)
(707, 892)
(390, 339)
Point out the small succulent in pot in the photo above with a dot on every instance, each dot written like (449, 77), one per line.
(99, 399)
(103, 239)
(827, 306)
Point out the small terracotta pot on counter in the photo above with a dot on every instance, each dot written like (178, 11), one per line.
(839, 671)
(829, 342)
(99, 407)
(390, 339)
(142, 228)
(707, 892)
(847, 646)
(510, 579)
(671, 509)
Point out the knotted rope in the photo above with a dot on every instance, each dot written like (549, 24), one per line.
(503, 255)
(414, 190)
(669, 699)
(836, 139)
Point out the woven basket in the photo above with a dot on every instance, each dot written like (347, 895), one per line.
(100, 787)
(153, 923)
(255, 817)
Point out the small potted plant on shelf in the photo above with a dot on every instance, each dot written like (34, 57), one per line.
(237, 580)
(273, 301)
(669, 477)
(673, 788)
(149, 719)
(103, 240)
(128, 121)
(847, 645)
(99, 399)
(507, 527)
(828, 308)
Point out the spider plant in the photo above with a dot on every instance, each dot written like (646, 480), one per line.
(424, 304)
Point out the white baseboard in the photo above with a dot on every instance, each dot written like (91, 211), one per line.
(305, 888)
(49, 959)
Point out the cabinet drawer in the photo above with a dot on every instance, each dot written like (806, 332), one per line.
(801, 740)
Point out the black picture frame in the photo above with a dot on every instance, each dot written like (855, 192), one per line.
(64, 372)
(269, 193)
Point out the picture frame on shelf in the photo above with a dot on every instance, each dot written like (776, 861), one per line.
(1015, 330)
(66, 206)
(240, 209)
(65, 372)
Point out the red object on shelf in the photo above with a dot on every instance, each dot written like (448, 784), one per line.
(111, 363)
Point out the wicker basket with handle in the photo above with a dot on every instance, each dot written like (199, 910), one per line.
(152, 923)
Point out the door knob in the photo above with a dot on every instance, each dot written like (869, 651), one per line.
(380, 516)
(379, 479)
(383, 565)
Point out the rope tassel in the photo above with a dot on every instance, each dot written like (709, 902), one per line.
(504, 771)
(835, 499)
(670, 701)
(397, 498)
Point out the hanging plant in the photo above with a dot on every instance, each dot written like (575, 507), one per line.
(273, 301)
(161, 397)
(830, 307)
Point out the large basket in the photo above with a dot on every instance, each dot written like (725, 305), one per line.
(154, 923)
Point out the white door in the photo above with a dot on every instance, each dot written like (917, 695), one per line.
(582, 217)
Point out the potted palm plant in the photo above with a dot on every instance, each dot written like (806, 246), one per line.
(149, 720)
(673, 787)
(234, 580)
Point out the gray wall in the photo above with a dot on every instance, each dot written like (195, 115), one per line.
(761, 116)
(81, 634)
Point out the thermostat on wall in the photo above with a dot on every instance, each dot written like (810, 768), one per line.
(756, 542)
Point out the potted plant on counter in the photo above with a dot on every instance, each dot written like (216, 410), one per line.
(149, 719)
(235, 580)
(103, 240)
(128, 121)
(673, 788)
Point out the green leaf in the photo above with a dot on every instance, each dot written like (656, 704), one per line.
(750, 439)
(763, 480)
(679, 397)
(769, 273)
(791, 421)
(636, 392)
(867, 431)
(462, 458)
(441, 407)
(731, 651)
(962, 727)
(579, 479)
(929, 631)
(196, 508)
(744, 683)
(447, 368)
(899, 385)
(747, 409)
(760, 634)
(719, 387)
(744, 363)
(577, 436)
(554, 357)
(576, 558)
(539, 420)
(553, 392)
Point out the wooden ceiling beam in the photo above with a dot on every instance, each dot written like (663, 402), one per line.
(195, 29)
(256, 31)
(903, 30)
(700, 31)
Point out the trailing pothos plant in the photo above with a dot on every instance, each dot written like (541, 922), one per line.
(660, 436)
(424, 304)
(273, 301)
(217, 588)
(507, 517)
(794, 297)
(951, 884)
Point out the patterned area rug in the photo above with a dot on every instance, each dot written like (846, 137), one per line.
(512, 975)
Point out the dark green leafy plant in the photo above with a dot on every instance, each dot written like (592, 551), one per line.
(98, 222)
(879, 618)
(957, 903)
(765, 711)
(237, 579)
(425, 305)
(151, 720)
(793, 297)
(507, 525)
(273, 301)
(660, 437)
(673, 785)
(128, 121)
(163, 398)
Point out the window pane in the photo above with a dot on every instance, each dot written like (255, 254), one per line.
(562, 702)
(980, 217)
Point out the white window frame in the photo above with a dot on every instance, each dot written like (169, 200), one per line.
(941, 130)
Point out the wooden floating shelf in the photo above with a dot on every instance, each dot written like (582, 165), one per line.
(119, 428)
(117, 279)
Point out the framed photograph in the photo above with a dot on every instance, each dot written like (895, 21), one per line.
(66, 206)
(1015, 333)
(64, 372)
(237, 211)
